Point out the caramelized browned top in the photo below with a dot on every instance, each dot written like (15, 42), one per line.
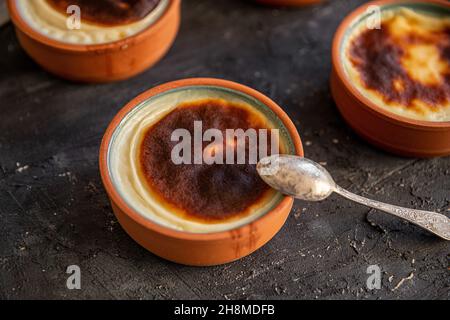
(108, 12)
(202, 192)
(398, 66)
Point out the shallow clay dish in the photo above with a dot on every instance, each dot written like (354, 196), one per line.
(198, 249)
(394, 133)
(289, 3)
(113, 61)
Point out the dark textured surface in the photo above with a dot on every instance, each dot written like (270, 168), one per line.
(54, 212)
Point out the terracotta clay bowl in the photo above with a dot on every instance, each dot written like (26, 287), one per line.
(389, 131)
(288, 3)
(197, 249)
(108, 62)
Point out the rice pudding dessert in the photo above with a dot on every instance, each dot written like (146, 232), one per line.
(102, 21)
(197, 197)
(403, 67)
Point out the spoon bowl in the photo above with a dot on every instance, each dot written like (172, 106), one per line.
(298, 177)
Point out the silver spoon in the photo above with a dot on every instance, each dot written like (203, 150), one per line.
(304, 179)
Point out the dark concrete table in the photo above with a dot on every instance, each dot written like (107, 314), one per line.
(55, 213)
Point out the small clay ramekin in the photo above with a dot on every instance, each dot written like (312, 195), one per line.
(108, 62)
(197, 249)
(288, 3)
(391, 132)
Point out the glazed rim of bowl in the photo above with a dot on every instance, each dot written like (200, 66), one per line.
(170, 86)
(20, 23)
(343, 31)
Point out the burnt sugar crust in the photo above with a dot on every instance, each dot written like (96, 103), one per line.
(203, 192)
(403, 66)
(378, 57)
(109, 12)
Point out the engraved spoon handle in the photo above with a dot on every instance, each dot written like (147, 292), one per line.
(434, 222)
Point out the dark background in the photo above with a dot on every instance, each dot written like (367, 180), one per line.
(55, 213)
